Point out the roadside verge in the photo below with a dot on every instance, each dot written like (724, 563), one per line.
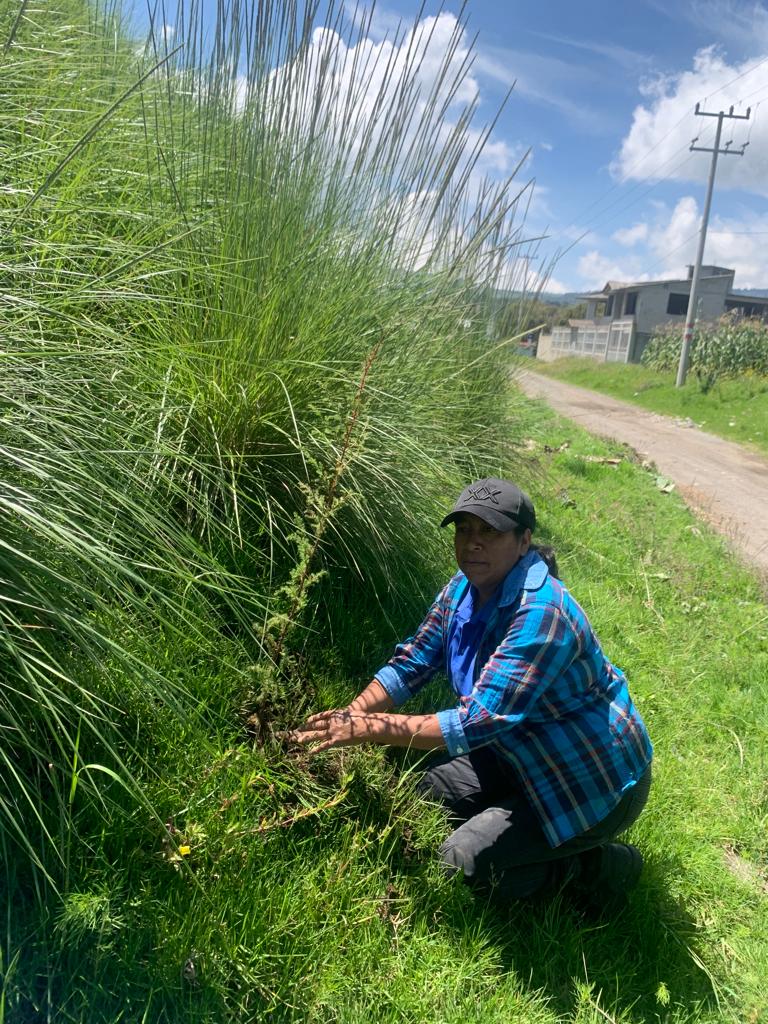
(725, 484)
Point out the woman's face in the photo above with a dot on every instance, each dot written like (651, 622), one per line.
(486, 555)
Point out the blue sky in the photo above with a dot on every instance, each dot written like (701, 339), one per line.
(604, 97)
(604, 93)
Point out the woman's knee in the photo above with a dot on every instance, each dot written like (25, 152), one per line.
(456, 856)
(484, 875)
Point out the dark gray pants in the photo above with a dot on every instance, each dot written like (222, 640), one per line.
(498, 841)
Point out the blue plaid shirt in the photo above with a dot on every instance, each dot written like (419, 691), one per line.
(545, 697)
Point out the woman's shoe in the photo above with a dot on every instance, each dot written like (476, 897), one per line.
(608, 873)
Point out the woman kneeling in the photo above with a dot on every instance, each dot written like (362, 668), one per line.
(546, 759)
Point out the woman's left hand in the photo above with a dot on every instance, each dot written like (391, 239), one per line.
(337, 728)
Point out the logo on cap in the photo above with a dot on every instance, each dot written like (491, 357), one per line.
(484, 493)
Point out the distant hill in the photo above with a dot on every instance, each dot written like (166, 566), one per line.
(757, 293)
(551, 298)
(569, 298)
(561, 298)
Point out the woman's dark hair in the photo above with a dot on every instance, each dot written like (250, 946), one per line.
(546, 553)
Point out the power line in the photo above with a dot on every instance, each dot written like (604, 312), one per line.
(633, 202)
(752, 122)
(639, 184)
(751, 95)
(658, 181)
(636, 164)
(652, 174)
(620, 199)
(727, 232)
(736, 79)
(671, 252)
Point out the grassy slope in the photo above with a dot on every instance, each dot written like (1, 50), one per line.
(734, 409)
(289, 888)
(184, 349)
(310, 890)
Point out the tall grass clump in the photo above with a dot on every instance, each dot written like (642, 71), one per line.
(246, 273)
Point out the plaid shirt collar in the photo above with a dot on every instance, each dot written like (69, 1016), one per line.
(528, 574)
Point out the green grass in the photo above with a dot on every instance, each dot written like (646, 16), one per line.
(736, 409)
(236, 396)
(310, 892)
(229, 360)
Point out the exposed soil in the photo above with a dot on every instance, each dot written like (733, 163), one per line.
(725, 484)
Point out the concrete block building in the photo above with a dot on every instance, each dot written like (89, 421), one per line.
(621, 318)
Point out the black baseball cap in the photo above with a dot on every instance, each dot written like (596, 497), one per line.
(499, 503)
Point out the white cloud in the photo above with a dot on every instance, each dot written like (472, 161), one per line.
(556, 287)
(364, 77)
(739, 243)
(524, 277)
(376, 22)
(729, 246)
(386, 106)
(595, 269)
(739, 23)
(359, 82)
(547, 81)
(498, 157)
(672, 239)
(351, 86)
(665, 245)
(657, 143)
(582, 236)
(628, 59)
(156, 44)
(535, 282)
(631, 236)
(540, 211)
(546, 146)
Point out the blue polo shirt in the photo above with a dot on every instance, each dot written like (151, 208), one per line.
(464, 635)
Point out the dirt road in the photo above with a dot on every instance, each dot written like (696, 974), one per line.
(722, 482)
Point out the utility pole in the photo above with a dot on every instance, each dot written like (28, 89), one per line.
(726, 151)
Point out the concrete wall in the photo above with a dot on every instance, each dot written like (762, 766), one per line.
(651, 310)
(639, 343)
(606, 340)
(544, 349)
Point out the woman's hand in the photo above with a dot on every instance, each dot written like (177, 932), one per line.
(345, 727)
(336, 728)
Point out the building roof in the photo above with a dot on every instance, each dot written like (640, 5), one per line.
(748, 300)
(617, 286)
